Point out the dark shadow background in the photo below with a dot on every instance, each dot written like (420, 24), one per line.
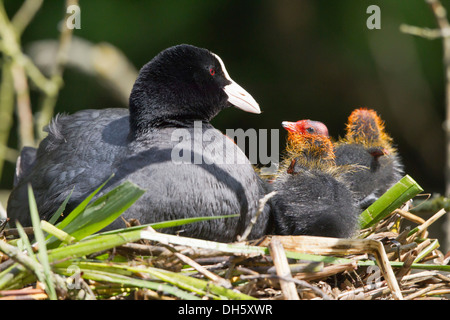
(299, 59)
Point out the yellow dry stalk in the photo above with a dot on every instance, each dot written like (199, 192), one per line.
(335, 246)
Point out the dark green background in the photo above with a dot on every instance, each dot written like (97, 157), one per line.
(299, 59)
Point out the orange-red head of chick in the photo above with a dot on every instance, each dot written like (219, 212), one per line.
(367, 145)
(307, 143)
(306, 126)
(365, 127)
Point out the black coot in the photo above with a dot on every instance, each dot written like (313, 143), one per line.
(24, 163)
(164, 143)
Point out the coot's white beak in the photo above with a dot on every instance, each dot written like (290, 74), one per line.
(237, 96)
(240, 98)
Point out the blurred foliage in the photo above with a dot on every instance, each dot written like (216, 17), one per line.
(299, 59)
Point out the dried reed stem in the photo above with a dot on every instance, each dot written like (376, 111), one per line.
(328, 246)
(283, 270)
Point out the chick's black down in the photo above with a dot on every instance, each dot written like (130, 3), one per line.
(314, 203)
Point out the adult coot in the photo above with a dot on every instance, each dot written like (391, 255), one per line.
(24, 163)
(164, 143)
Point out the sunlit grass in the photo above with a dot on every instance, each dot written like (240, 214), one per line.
(74, 256)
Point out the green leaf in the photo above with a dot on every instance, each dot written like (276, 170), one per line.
(432, 246)
(24, 242)
(42, 252)
(80, 208)
(104, 210)
(187, 283)
(97, 244)
(56, 232)
(392, 199)
(60, 210)
(197, 285)
(171, 223)
(101, 212)
(111, 274)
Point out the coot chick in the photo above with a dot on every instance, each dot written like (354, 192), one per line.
(368, 146)
(295, 140)
(312, 198)
(298, 127)
(164, 143)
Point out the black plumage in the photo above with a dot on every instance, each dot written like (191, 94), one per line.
(312, 198)
(24, 163)
(158, 144)
(369, 149)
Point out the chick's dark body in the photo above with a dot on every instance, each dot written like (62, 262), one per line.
(370, 177)
(313, 202)
(312, 197)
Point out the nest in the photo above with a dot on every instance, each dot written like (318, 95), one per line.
(387, 264)
(394, 259)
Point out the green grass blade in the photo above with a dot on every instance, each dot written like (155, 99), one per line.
(170, 223)
(179, 222)
(128, 271)
(56, 232)
(80, 208)
(60, 210)
(42, 251)
(187, 282)
(432, 246)
(97, 244)
(12, 277)
(117, 278)
(104, 210)
(25, 243)
(417, 266)
(199, 243)
(100, 213)
(392, 199)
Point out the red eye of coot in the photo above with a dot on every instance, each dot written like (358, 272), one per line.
(212, 71)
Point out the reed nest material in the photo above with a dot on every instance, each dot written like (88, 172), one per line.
(385, 265)
(393, 259)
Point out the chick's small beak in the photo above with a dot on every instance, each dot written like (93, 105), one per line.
(289, 126)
